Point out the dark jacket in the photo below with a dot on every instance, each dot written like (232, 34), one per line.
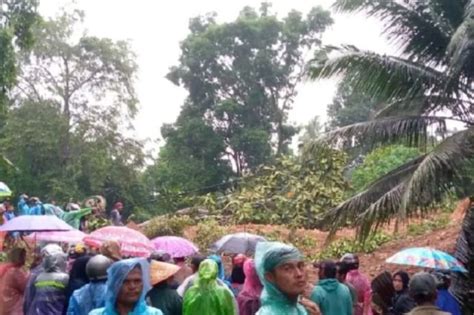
(163, 297)
(402, 303)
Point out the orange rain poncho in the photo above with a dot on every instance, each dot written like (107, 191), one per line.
(13, 281)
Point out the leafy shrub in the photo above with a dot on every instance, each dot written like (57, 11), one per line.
(428, 225)
(290, 191)
(208, 232)
(163, 226)
(379, 162)
(96, 222)
(343, 246)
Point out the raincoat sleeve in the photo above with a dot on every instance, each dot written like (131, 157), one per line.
(73, 307)
(23, 207)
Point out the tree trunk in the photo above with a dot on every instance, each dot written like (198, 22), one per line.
(463, 284)
(66, 139)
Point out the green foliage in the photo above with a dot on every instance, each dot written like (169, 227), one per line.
(208, 232)
(96, 222)
(289, 191)
(241, 77)
(379, 162)
(340, 247)
(17, 20)
(165, 226)
(429, 225)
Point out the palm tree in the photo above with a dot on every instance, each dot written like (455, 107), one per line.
(429, 84)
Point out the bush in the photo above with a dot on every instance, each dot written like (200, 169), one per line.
(208, 232)
(164, 226)
(343, 246)
(428, 225)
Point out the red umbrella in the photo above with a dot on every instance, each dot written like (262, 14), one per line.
(132, 242)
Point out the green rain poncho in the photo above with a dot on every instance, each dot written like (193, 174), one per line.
(206, 296)
(268, 256)
(73, 217)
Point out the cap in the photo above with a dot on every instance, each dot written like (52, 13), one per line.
(160, 271)
(422, 283)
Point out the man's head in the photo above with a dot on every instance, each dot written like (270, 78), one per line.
(422, 288)
(341, 271)
(281, 267)
(127, 282)
(351, 261)
(132, 287)
(196, 261)
(118, 206)
(327, 270)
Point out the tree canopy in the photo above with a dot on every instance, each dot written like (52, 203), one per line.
(241, 77)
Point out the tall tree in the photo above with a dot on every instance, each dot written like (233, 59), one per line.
(17, 19)
(242, 78)
(433, 76)
(87, 78)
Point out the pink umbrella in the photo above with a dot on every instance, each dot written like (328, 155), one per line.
(175, 246)
(71, 237)
(132, 242)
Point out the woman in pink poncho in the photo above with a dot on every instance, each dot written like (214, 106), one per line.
(249, 298)
(13, 281)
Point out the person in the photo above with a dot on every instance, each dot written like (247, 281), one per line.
(77, 277)
(184, 270)
(72, 217)
(50, 286)
(237, 276)
(445, 300)
(8, 215)
(281, 270)
(91, 295)
(162, 295)
(361, 283)
(332, 297)
(196, 261)
(35, 207)
(422, 288)
(111, 249)
(206, 296)
(402, 302)
(221, 271)
(22, 205)
(341, 276)
(248, 299)
(128, 281)
(115, 215)
(36, 269)
(160, 255)
(13, 280)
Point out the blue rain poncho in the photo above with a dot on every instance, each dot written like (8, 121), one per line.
(87, 298)
(116, 275)
(268, 256)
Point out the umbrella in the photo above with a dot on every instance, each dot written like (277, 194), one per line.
(175, 246)
(238, 243)
(35, 223)
(132, 242)
(4, 190)
(71, 237)
(427, 258)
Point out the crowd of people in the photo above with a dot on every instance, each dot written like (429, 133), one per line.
(102, 282)
(60, 280)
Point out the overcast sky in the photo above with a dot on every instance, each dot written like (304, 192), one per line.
(155, 29)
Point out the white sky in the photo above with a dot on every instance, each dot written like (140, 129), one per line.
(155, 29)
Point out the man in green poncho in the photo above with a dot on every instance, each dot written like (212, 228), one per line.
(73, 217)
(282, 272)
(206, 296)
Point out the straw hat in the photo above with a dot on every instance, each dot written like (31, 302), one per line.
(160, 271)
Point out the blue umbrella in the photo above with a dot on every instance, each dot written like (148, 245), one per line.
(427, 257)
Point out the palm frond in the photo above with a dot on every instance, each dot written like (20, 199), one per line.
(424, 105)
(461, 50)
(408, 190)
(354, 208)
(378, 75)
(421, 28)
(438, 170)
(411, 129)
